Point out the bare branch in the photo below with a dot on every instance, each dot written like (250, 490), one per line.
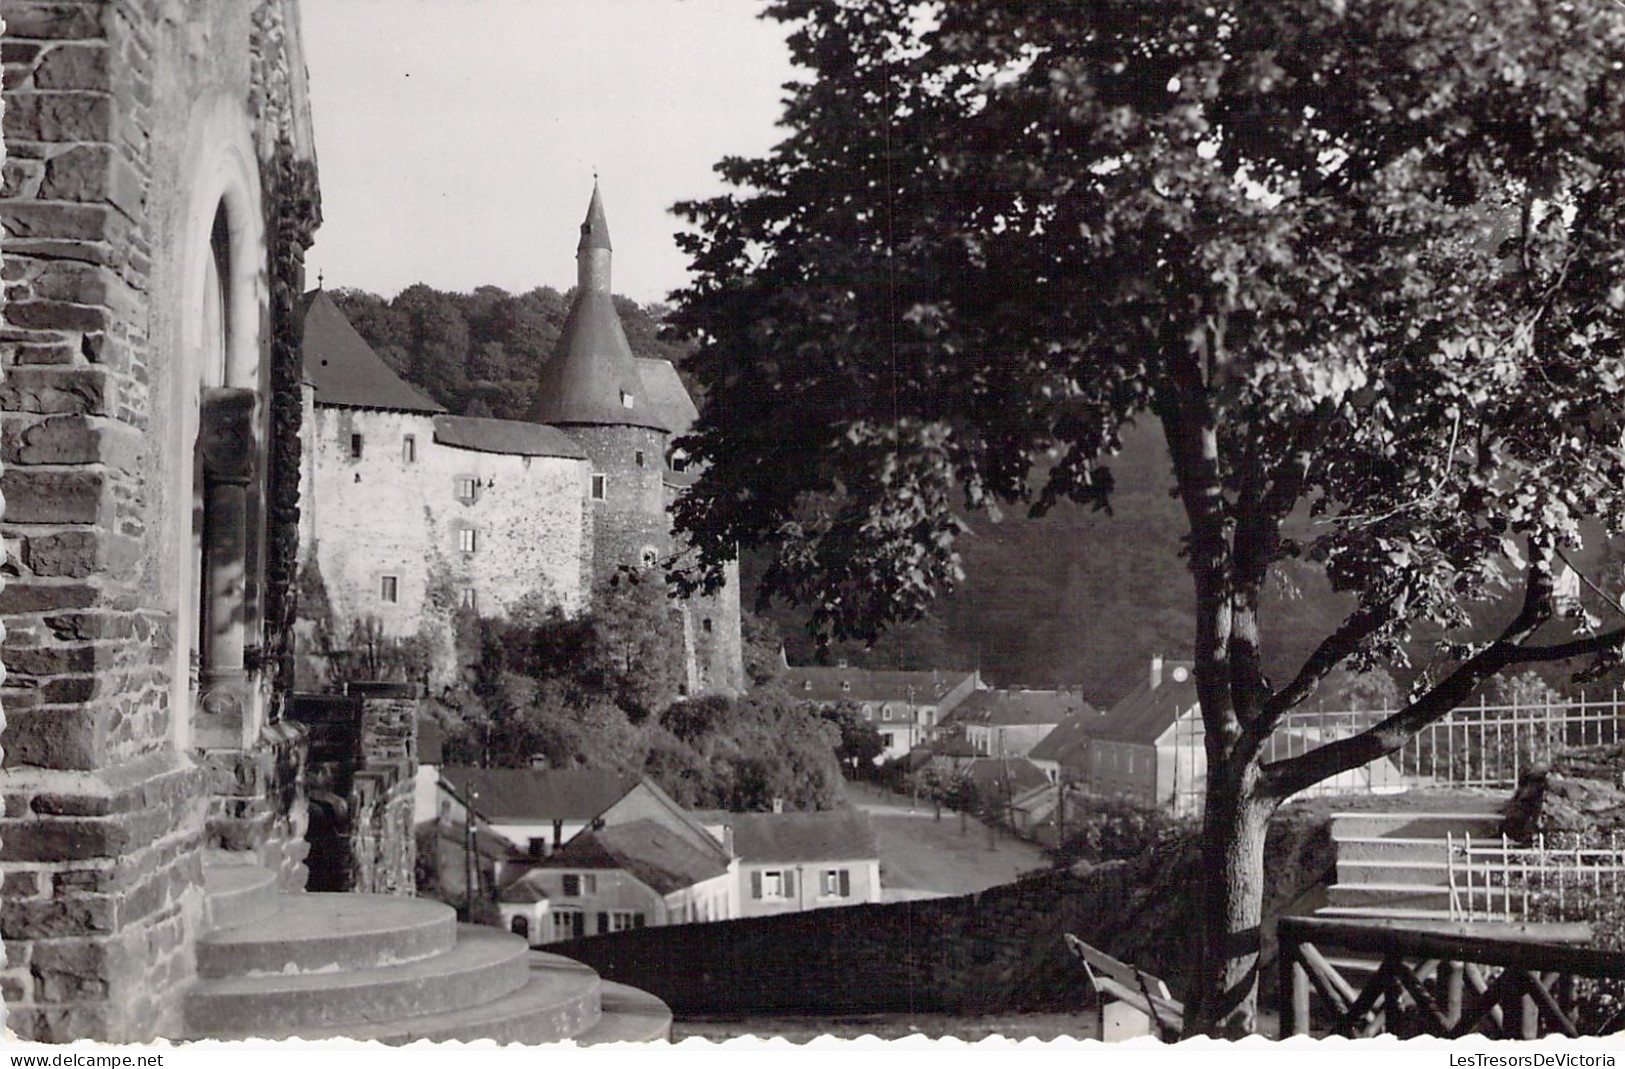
(1336, 648)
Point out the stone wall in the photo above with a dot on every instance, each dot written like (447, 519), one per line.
(631, 519)
(381, 515)
(258, 811)
(993, 952)
(120, 121)
(361, 774)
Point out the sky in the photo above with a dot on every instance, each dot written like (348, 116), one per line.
(457, 139)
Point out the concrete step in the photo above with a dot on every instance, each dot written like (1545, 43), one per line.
(1401, 895)
(629, 1016)
(1432, 873)
(1397, 913)
(1484, 823)
(236, 894)
(1388, 848)
(559, 999)
(324, 932)
(484, 966)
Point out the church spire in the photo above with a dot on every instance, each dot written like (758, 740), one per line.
(594, 228)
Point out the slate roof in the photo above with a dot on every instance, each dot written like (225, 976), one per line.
(825, 835)
(1005, 708)
(505, 436)
(645, 848)
(524, 890)
(592, 366)
(820, 683)
(953, 746)
(992, 774)
(1145, 713)
(537, 795)
(345, 370)
(1069, 740)
(668, 395)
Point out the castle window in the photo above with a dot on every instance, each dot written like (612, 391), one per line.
(705, 625)
(355, 447)
(679, 460)
(409, 450)
(389, 589)
(638, 456)
(627, 401)
(649, 557)
(846, 684)
(470, 599)
(468, 539)
(468, 489)
(598, 487)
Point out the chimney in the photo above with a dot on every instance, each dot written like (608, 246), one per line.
(1156, 671)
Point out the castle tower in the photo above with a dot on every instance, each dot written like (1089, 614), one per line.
(590, 388)
(624, 413)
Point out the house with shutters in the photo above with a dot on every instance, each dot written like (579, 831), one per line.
(535, 810)
(791, 862)
(642, 873)
(905, 707)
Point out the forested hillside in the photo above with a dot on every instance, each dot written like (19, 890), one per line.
(1079, 597)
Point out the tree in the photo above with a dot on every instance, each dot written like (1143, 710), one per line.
(1364, 265)
(860, 741)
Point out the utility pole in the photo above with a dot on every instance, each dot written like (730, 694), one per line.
(471, 855)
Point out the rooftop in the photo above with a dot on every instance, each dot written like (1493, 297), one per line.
(820, 683)
(650, 851)
(1011, 707)
(505, 436)
(534, 795)
(825, 835)
(1147, 711)
(343, 367)
(1069, 739)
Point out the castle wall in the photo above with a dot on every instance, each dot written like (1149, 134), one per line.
(631, 520)
(381, 515)
(128, 128)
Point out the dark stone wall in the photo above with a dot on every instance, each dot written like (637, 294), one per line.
(360, 777)
(633, 514)
(994, 952)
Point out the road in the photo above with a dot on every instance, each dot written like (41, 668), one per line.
(922, 857)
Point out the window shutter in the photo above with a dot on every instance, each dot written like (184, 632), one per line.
(846, 884)
(789, 883)
(579, 924)
(756, 884)
(603, 923)
(637, 920)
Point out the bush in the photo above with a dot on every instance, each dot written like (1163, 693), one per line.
(1111, 829)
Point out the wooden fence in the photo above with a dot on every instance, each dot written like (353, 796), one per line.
(1509, 982)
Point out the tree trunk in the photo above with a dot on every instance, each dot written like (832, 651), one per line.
(1224, 983)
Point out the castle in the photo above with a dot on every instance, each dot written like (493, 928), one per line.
(411, 514)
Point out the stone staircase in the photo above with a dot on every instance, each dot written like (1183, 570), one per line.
(392, 969)
(1396, 865)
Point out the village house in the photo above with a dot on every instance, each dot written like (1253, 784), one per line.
(1150, 748)
(1012, 722)
(790, 862)
(905, 707)
(644, 872)
(1063, 754)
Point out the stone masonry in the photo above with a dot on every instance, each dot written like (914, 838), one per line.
(119, 114)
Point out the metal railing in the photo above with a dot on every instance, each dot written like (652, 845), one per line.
(1479, 745)
(1552, 878)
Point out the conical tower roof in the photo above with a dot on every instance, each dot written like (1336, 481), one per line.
(592, 377)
